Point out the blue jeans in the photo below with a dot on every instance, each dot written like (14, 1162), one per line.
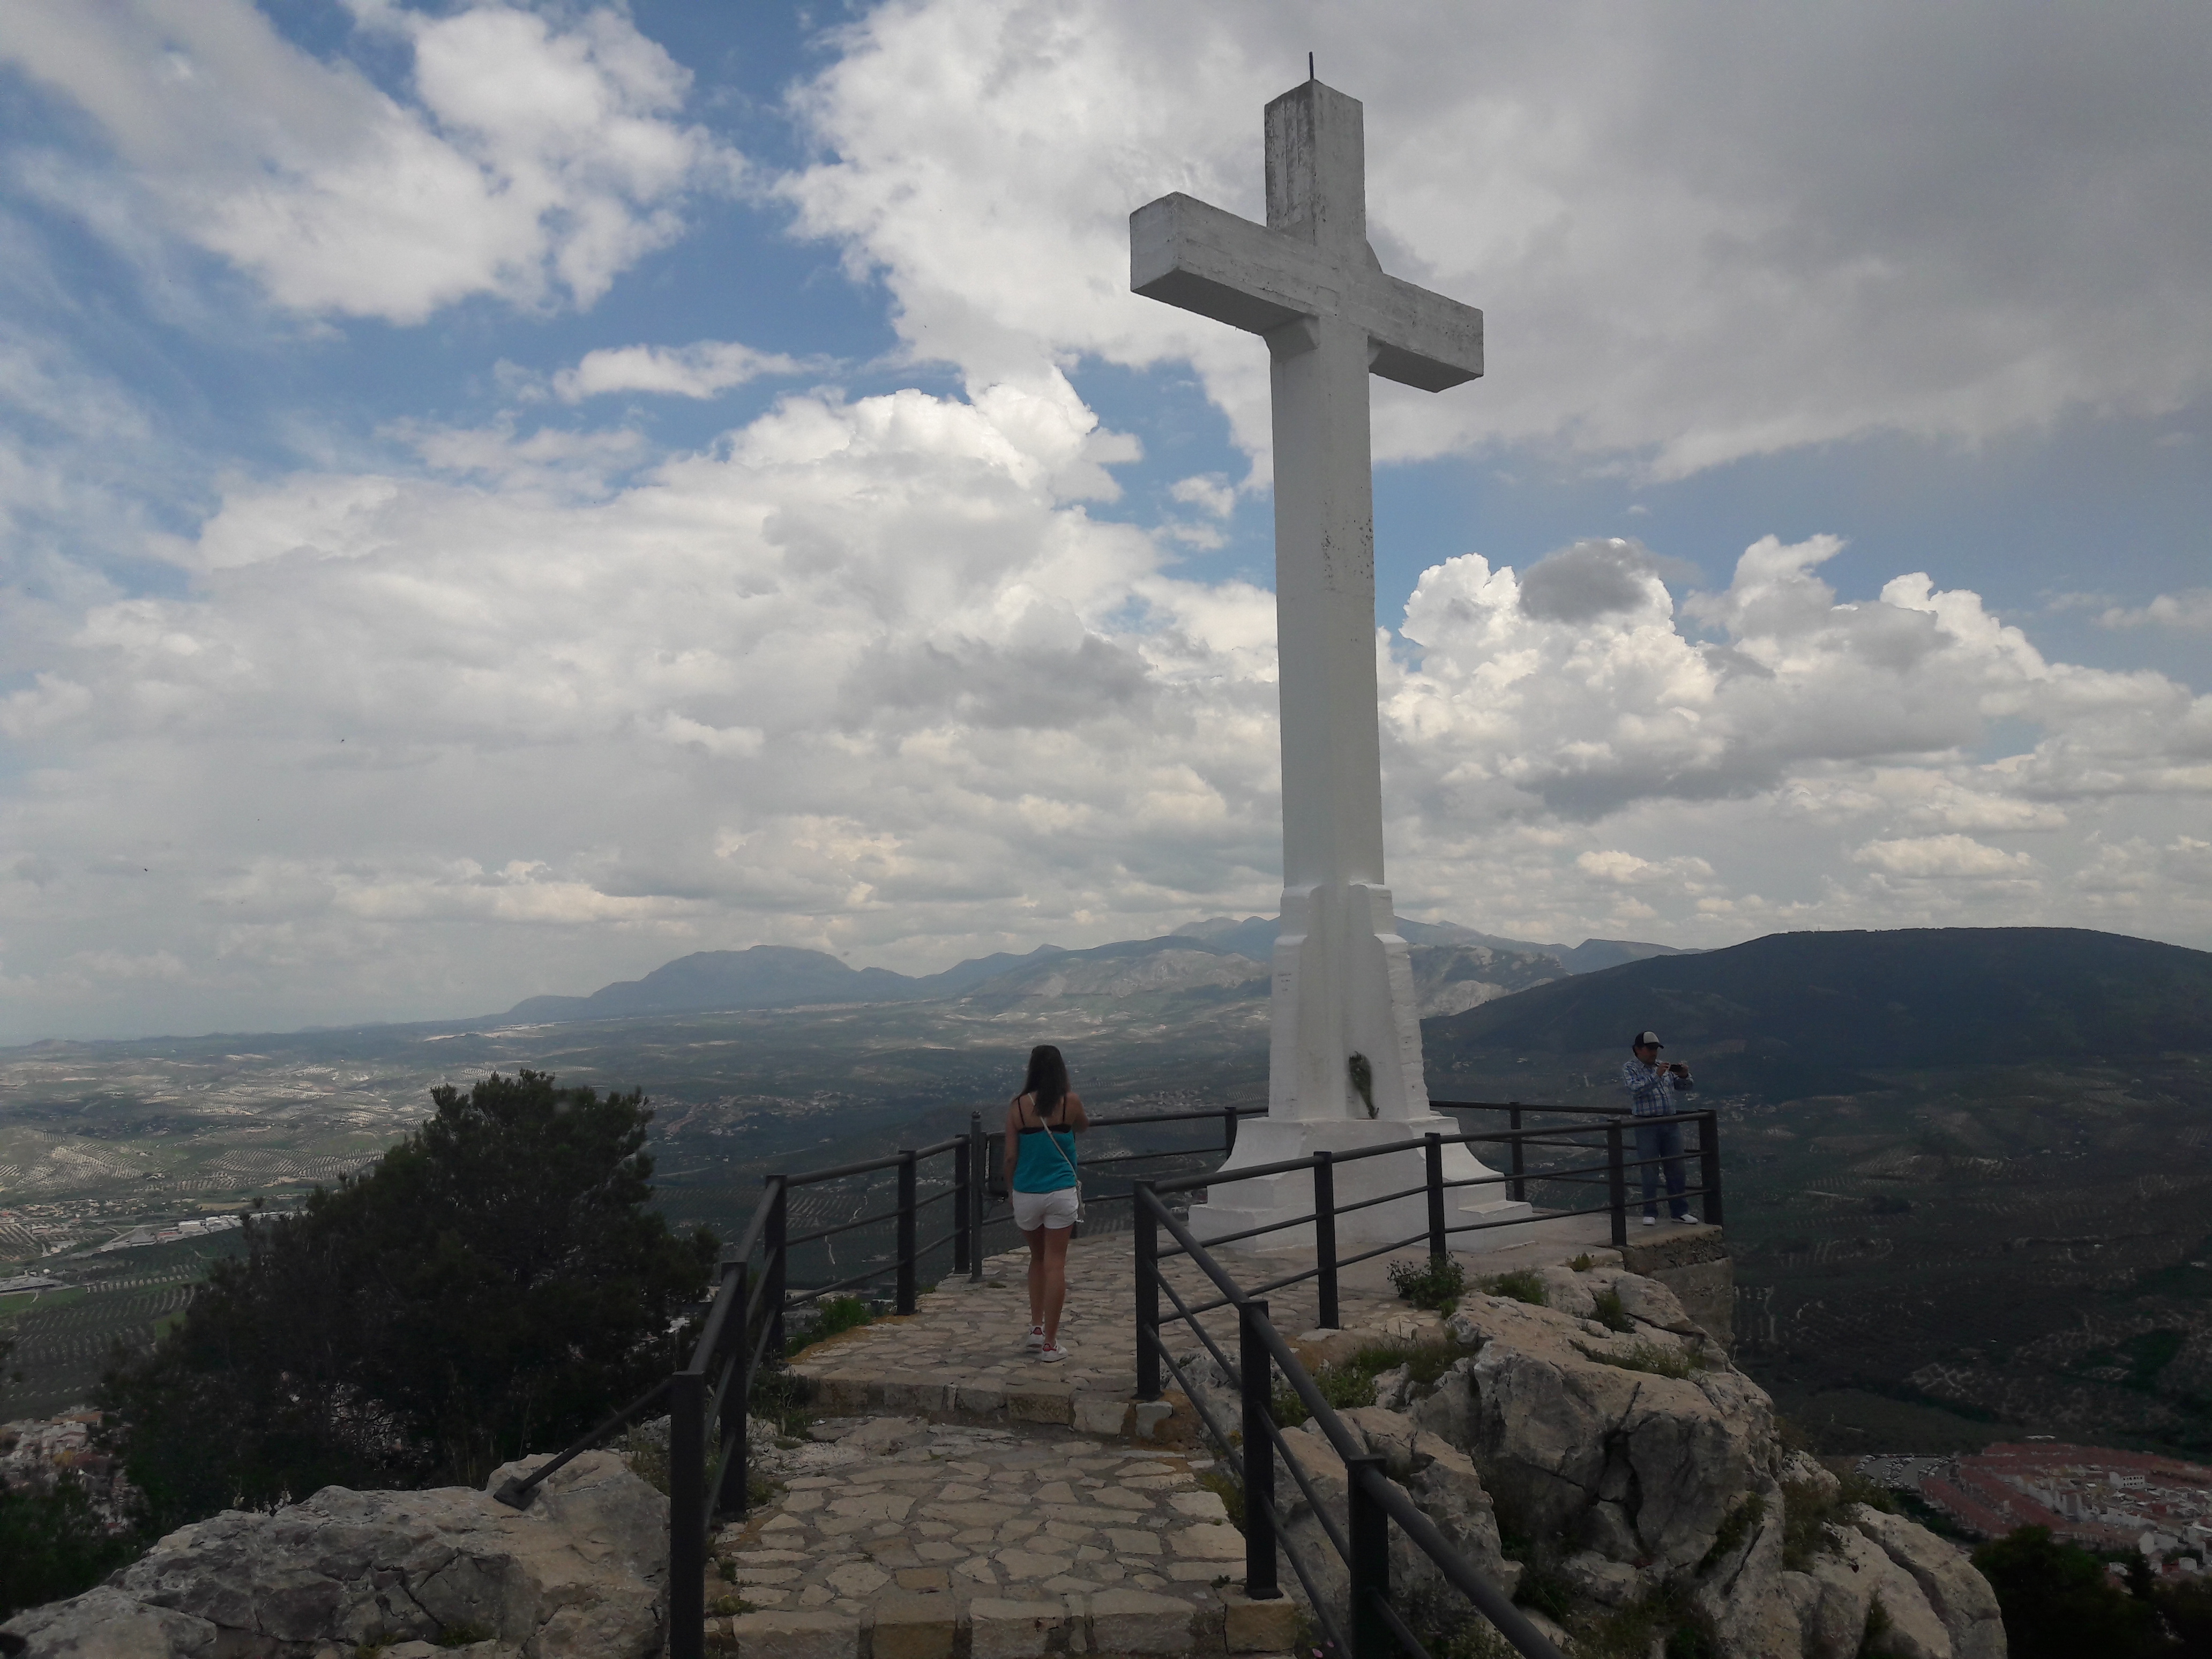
(1660, 1138)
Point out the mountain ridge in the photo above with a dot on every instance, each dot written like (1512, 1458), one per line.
(1795, 1014)
(772, 977)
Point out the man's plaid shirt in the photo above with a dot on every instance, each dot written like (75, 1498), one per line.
(1652, 1090)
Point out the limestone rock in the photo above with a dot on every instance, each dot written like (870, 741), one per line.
(1753, 1614)
(1440, 1480)
(1561, 1430)
(579, 1573)
(1849, 1582)
(1960, 1596)
(105, 1624)
(1802, 1469)
(1571, 1293)
(1447, 1410)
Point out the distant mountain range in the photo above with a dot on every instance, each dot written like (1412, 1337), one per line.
(1454, 967)
(1798, 1014)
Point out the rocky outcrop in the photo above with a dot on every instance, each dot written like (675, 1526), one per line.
(1607, 1436)
(578, 1575)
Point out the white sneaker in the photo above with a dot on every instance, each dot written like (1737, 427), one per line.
(1051, 1354)
(1035, 1339)
(1650, 1221)
(1687, 1220)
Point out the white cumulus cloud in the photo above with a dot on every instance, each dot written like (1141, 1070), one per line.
(536, 164)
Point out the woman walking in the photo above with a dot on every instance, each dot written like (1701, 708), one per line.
(1042, 1124)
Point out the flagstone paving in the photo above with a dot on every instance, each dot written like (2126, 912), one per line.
(959, 1355)
(890, 1538)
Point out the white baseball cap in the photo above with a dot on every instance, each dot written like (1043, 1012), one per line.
(1651, 1038)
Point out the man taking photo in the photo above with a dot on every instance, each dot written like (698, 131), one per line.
(1654, 1091)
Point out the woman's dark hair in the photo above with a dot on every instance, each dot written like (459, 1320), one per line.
(1048, 1079)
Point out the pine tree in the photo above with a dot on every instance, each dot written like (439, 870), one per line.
(492, 1287)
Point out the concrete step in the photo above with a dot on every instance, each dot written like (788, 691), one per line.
(950, 1626)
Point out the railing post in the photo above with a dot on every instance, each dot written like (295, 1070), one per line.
(1709, 1160)
(906, 1182)
(979, 1185)
(775, 1265)
(1148, 1291)
(738, 1401)
(1616, 1181)
(1255, 1374)
(1325, 1234)
(1228, 1131)
(1519, 1187)
(1438, 1244)
(962, 1194)
(687, 1520)
(1369, 1563)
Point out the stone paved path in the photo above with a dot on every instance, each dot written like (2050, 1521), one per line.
(959, 1355)
(896, 1538)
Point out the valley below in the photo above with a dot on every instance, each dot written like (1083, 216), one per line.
(1928, 1256)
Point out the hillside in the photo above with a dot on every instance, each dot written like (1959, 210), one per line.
(1969, 1171)
(1803, 1014)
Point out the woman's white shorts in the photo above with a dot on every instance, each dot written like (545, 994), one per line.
(1055, 1209)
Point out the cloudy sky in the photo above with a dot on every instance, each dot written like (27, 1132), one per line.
(492, 499)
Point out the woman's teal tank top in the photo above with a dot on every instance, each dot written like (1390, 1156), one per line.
(1039, 1168)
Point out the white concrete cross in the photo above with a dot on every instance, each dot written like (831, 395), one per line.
(1308, 283)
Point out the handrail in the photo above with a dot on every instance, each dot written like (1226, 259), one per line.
(1494, 1604)
(743, 1330)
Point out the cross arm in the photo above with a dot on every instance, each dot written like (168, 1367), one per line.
(1189, 254)
(1200, 258)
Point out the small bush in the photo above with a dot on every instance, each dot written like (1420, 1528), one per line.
(1873, 1643)
(834, 1315)
(1649, 1357)
(1223, 1486)
(784, 1398)
(1547, 1589)
(2058, 1602)
(1519, 1286)
(1609, 1312)
(462, 1636)
(730, 1606)
(1583, 1263)
(1739, 1523)
(1343, 1386)
(1664, 1622)
(1807, 1514)
(1436, 1284)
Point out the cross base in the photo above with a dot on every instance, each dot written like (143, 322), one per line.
(1231, 1206)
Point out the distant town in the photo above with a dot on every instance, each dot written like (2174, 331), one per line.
(2102, 1499)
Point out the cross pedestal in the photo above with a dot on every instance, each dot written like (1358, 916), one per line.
(1343, 1009)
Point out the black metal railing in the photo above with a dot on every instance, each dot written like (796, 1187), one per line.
(794, 1238)
(1594, 1153)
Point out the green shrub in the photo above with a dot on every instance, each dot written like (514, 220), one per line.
(1436, 1284)
(1343, 1386)
(1519, 1285)
(1351, 1382)
(1649, 1357)
(2059, 1603)
(1609, 1313)
(834, 1315)
(1583, 1263)
(1547, 1589)
(1873, 1637)
(1739, 1524)
(1223, 1486)
(784, 1398)
(1665, 1621)
(462, 1636)
(1805, 1513)
(491, 1287)
(52, 1545)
